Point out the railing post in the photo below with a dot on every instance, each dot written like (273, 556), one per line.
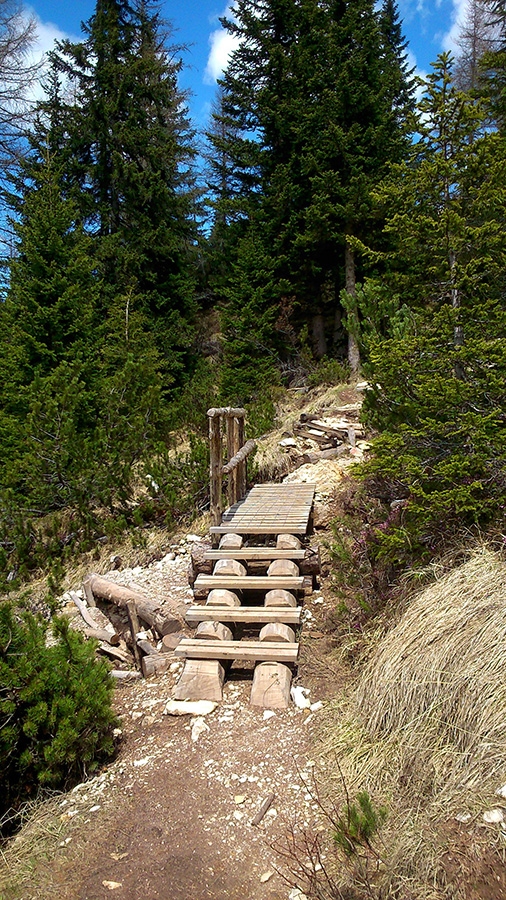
(215, 468)
(240, 481)
(232, 448)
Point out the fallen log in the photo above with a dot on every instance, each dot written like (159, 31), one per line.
(116, 653)
(155, 664)
(101, 634)
(124, 674)
(147, 610)
(147, 648)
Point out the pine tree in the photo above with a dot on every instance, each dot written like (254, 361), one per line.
(438, 391)
(317, 117)
(135, 149)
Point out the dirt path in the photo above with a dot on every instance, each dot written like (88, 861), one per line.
(171, 817)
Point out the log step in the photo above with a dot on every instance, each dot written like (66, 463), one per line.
(255, 554)
(246, 614)
(254, 651)
(249, 582)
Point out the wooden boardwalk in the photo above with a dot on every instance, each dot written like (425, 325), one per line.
(270, 509)
(224, 623)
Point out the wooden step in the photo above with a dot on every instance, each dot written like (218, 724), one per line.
(255, 554)
(263, 527)
(249, 583)
(246, 614)
(252, 651)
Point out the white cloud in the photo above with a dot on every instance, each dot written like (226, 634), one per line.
(45, 36)
(449, 40)
(222, 45)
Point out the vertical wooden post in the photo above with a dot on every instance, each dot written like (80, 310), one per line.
(216, 466)
(133, 620)
(241, 469)
(231, 451)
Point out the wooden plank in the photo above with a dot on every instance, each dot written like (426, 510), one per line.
(269, 509)
(249, 582)
(247, 528)
(253, 651)
(246, 614)
(255, 554)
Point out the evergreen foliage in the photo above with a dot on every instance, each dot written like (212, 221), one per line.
(97, 328)
(437, 388)
(56, 719)
(312, 109)
(134, 144)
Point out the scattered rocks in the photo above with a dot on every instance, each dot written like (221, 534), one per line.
(198, 727)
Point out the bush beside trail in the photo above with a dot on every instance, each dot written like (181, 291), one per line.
(56, 718)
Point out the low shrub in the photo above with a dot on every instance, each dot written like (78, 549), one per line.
(56, 717)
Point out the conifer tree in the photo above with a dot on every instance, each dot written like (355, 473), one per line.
(135, 148)
(438, 385)
(318, 115)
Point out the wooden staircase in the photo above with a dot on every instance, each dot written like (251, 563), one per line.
(267, 603)
(241, 587)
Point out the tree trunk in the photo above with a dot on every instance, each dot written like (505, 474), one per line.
(319, 339)
(351, 289)
(147, 610)
(458, 331)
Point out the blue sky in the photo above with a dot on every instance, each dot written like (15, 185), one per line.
(429, 26)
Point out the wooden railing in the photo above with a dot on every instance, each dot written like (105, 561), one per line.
(237, 452)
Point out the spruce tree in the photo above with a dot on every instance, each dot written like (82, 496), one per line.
(437, 390)
(317, 94)
(135, 147)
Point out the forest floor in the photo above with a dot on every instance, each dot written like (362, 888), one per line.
(170, 817)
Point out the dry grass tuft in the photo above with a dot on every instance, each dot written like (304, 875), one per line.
(439, 678)
(38, 839)
(424, 732)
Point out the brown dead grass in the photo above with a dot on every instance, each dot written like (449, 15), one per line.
(424, 731)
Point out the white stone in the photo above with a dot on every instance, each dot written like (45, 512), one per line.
(316, 706)
(501, 792)
(189, 707)
(199, 726)
(494, 816)
(265, 877)
(463, 817)
(193, 538)
(268, 714)
(298, 695)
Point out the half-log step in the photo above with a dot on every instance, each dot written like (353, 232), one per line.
(245, 614)
(249, 582)
(255, 554)
(254, 651)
